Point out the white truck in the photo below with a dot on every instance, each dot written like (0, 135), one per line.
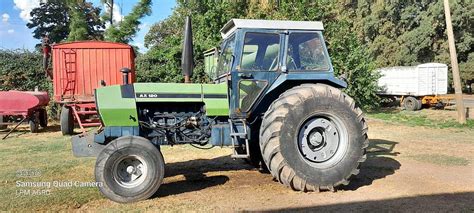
(415, 86)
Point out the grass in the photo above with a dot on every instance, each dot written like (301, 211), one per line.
(47, 157)
(419, 118)
(43, 158)
(440, 159)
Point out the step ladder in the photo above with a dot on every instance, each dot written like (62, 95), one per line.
(239, 133)
(87, 109)
(69, 71)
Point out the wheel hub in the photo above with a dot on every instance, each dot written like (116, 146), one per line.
(130, 171)
(316, 138)
(319, 139)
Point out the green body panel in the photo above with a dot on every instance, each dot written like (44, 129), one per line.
(115, 110)
(216, 106)
(214, 96)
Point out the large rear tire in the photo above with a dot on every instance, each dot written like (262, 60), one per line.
(130, 169)
(313, 137)
(67, 121)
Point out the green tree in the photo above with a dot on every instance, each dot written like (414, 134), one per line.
(401, 33)
(78, 26)
(162, 62)
(124, 31)
(52, 17)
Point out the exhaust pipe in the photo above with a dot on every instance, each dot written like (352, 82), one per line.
(187, 56)
(125, 72)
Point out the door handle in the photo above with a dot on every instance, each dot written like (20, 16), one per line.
(245, 75)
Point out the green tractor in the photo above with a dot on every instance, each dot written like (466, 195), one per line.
(274, 101)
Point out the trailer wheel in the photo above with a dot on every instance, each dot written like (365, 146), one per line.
(34, 122)
(313, 137)
(43, 118)
(2, 119)
(419, 104)
(130, 169)
(66, 121)
(410, 103)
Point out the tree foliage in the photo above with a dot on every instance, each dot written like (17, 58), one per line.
(401, 33)
(124, 31)
(162, 62)
(21, 70)
(54, 17)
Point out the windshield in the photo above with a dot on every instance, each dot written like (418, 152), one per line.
(306, 52)
(260, 52)
(226, 57)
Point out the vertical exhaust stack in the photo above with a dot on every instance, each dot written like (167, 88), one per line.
(187, 57)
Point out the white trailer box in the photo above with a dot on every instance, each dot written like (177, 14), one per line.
(421, 80)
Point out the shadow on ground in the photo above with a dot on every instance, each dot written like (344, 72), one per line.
(25, 129)
(195, 171)
(456, 202)
(378, 165)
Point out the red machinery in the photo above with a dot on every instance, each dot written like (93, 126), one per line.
(79, 68)
(19, 106)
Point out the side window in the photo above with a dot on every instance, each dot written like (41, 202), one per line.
(306, 52)
(226, 57)
(260, 52)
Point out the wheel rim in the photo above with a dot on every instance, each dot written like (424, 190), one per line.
(130, 171)
(322, 140)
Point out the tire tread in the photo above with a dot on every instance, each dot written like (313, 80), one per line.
(273, 122)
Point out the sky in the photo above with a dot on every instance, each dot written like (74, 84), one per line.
(14, 15)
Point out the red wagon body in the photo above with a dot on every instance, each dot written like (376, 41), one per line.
(78, 69)
(21, 103)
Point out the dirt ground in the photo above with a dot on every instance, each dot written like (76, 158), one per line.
(408, 169)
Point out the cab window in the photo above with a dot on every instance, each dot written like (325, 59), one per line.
(260, 52)
(226, 57)
(306, 52)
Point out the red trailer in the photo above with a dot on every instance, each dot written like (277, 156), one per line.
(19, 106)
(78, 69)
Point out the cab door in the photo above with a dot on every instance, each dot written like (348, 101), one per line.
(258, 63)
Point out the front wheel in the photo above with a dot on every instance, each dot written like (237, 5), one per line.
(129, 169)
(313, 138)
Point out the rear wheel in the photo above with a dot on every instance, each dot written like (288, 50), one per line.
(67, 121)
(410, 103)
(130, 169)
(313, 138)
(419, 104)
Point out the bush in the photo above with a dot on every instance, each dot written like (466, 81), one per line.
(22, 70)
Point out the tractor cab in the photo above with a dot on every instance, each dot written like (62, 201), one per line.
(258, 56)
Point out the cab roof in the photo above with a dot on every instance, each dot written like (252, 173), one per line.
(235, 24)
